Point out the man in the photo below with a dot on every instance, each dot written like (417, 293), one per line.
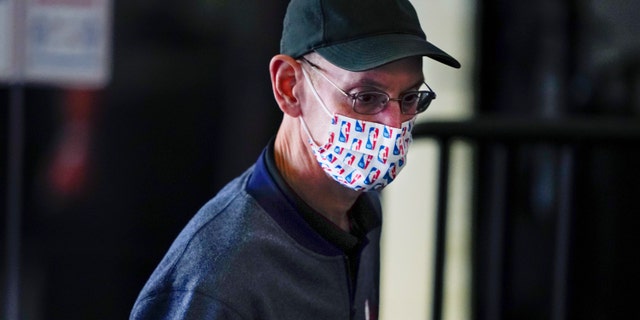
(297, 235)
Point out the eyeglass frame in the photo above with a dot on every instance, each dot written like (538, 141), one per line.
(431, 95)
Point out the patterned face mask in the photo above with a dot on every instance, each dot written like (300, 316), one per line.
(361, 155)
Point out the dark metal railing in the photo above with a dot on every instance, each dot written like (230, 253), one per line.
(12, 235)
(566, 133)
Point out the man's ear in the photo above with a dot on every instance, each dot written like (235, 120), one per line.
(285, 73)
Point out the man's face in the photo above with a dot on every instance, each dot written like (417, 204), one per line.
(393, 79)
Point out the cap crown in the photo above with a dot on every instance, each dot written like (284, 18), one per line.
(312, 24)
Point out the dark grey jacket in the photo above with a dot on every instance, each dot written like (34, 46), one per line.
(248, 254)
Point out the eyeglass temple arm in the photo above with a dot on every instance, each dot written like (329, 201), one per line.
(316, 69)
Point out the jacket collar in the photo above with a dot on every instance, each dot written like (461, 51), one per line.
(301, 222)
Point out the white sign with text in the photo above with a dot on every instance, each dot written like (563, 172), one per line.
(7, 72)
(63, 42)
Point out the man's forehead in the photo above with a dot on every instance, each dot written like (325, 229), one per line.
(406, 72)
(410, 62)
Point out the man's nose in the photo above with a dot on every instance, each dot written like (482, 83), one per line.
(392, 115)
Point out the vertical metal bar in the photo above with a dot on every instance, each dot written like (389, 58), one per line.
(563, 236)
(441, 228)
(496, 229)
(14, 165)
(14, 202)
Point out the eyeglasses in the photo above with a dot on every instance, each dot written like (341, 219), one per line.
(372, 102)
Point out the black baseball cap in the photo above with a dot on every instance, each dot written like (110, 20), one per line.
(357, 35)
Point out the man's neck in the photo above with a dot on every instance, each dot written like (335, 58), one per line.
(301, 171)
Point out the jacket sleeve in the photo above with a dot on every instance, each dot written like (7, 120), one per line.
(182, 305)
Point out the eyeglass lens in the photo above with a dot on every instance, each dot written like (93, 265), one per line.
(373, 102)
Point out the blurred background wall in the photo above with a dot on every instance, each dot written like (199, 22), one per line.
(409, 202)
(112, 175)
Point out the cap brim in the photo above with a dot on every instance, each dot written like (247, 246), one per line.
(372, 52)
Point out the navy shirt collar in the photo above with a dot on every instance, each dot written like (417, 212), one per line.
(305, 225)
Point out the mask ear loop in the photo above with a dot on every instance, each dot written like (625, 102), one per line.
(315, 93)
(306, 130)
